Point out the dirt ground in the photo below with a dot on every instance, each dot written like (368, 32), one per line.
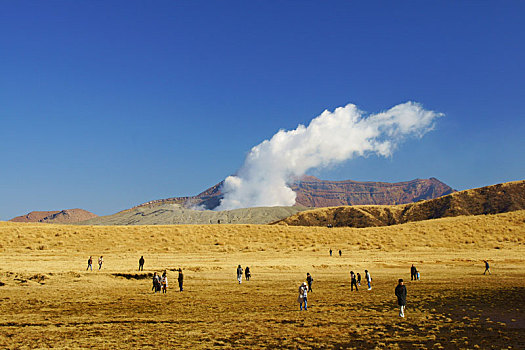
(49, 300)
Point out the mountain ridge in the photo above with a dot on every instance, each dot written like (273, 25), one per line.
(313, 192)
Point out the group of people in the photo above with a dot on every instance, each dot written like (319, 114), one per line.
(101, 261)
(247, 273)
(304, 288)
(355, 280)
(90, 263)
(340, 252)
(160, 283)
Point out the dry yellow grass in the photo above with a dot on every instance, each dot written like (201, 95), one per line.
(49, 300)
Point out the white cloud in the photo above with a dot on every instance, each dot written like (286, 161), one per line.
(330, 138)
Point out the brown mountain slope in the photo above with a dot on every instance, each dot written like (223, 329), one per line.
(34, 216)
(312, 192)
(67, 216)
(494, 199)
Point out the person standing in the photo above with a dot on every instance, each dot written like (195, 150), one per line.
(303, 296)
(239, 274)
(100, 261)
(353, 281)
(180, 279)
(413, 273)
(359, 279)
(141, 263)
(90, 264)
(155, 281)
(330, 251)
(158, 285)
(309, 280)
(247, 273)
(340, 252)
(164, 282)
(368, 279)
(401, 294)
(487, 267)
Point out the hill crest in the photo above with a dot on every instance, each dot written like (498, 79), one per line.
(66, 216)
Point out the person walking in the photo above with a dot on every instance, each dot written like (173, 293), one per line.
(247, 273)
(141, 263)
(353, 281)
(303, 296)
(100, 261)
(180, 279)
(309, 280)
(413, 273)
(359, 279)
(368, 279)
(401, 294)
(90, 264)
(239, 274)
(487, 267)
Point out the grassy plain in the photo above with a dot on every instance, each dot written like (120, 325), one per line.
(49, 300)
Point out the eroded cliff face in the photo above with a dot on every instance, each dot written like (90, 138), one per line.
(312, 192)
(315, 193)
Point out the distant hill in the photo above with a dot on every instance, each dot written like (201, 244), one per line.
(67, 216)
(313, 192)
(494, 199)
(34, 216)
(175, 214)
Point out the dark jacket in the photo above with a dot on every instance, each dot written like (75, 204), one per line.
(401, 294)
(413, 270)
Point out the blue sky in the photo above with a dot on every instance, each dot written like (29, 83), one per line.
(108, 104)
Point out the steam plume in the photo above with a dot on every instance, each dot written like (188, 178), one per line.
(330, 138)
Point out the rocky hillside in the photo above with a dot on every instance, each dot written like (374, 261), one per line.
(312, 192)
(494, 199)
(67, 216)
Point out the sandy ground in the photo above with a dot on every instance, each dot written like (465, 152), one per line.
(49, 300)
